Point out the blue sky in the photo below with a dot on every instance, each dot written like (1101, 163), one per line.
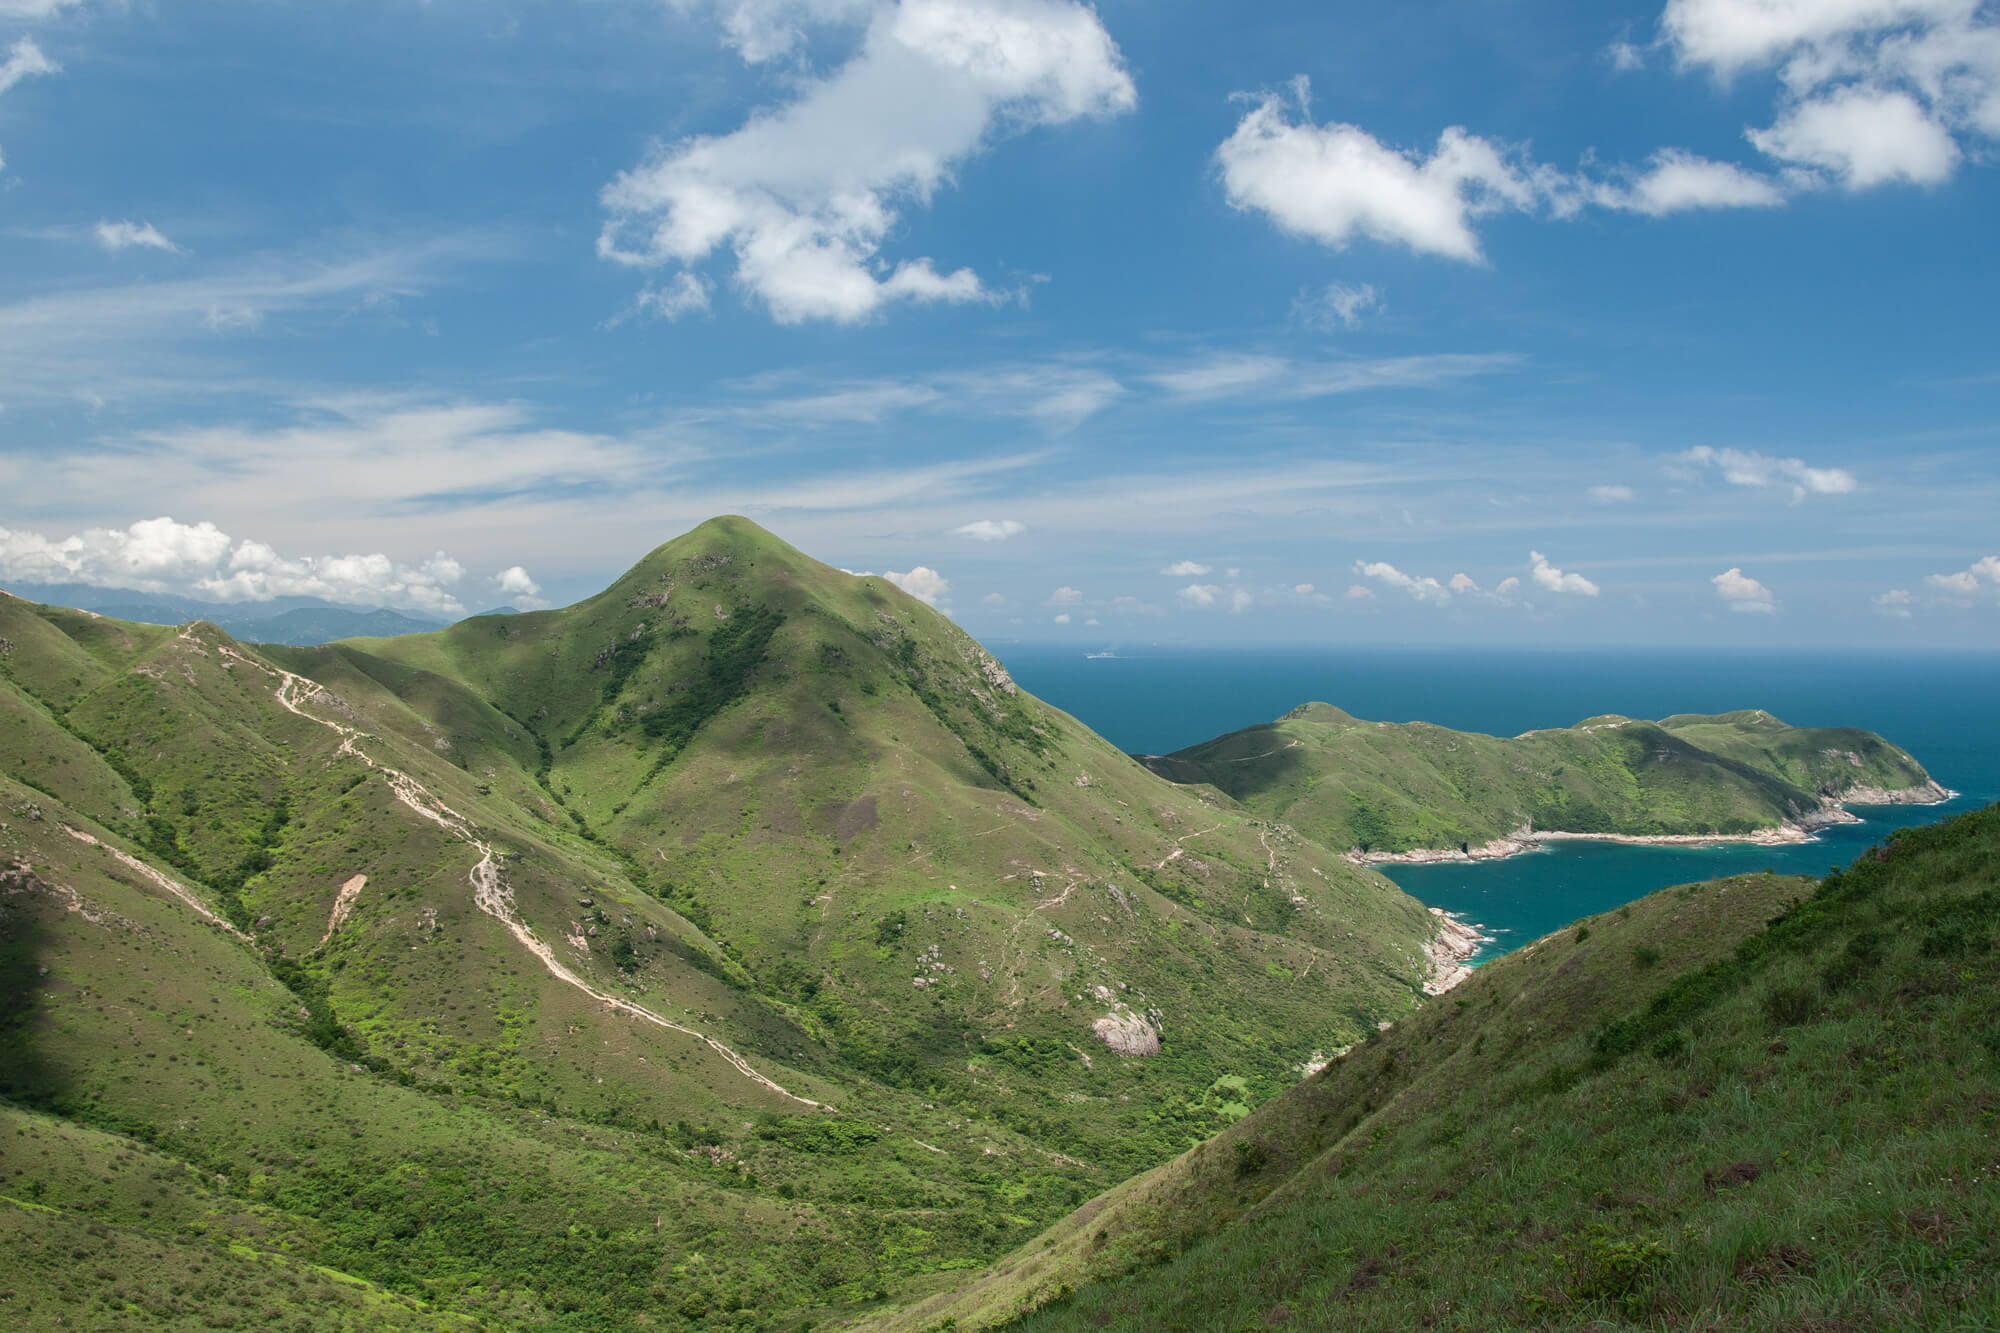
(1497, 322)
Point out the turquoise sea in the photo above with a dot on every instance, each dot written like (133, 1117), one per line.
(1945, 710)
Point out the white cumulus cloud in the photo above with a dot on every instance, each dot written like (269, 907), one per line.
(1065, 596)
(1863, 137)
(1895, 602)
(763, 30)
(1981, 574)
(1200, 596)
(1063, 619)
(1463, 583)
(1185, 569)
(1732, 35)
(1548, 576)
(162, 555)
(804, 196)
(1791, 475)
(1873, 92)
(1422, 587)
(115, 236)
(990, 529)
(923, 583)
(1678, 182)
(1357, 593)
(519, 588)
(1338, 183)
(1606, 495)
(1743, 593)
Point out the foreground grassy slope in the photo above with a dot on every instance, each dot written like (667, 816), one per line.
(729, 950)
(1383, 787)
(1755, 1103)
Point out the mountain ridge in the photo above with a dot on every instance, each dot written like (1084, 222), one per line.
(619, 893)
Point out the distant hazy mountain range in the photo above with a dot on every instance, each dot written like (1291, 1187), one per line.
(298, 621)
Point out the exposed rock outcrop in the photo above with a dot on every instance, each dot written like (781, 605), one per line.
(1127, 1033)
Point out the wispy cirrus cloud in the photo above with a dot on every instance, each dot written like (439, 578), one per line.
(116, 236)
(1235, 374)
(990, 529)
(25, 60)
(1057, 395)
(1338, 305)
(173, 338)
(35, 9)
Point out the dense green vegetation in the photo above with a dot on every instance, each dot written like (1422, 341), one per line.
(738, 948)
(1750, 1104)
(337, 1074)
(1378, 787)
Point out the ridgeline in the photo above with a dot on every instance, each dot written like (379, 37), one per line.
(742, 948)
(1415, 791)
(741, 939)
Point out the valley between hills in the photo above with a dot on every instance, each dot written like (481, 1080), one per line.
(742, 948)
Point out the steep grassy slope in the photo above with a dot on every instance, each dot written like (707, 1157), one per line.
(950, 881)
(1757, 1103)
(737, 946)
(1380, 787)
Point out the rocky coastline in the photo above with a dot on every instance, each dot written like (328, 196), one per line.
(1803, 828)
(1929, 793)
(1450, 952)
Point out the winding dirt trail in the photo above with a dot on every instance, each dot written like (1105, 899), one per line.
(1179, 851)
(490, 893)
(167, 882)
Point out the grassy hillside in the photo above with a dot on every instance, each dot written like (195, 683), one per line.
(1756, 1103)
(733, 948)
(1379, 787)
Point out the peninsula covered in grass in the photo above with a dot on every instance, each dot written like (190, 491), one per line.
(1413, 791)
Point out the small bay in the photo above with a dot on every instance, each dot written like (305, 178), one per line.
(1943, 709)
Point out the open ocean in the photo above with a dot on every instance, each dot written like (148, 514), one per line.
(1945, 710)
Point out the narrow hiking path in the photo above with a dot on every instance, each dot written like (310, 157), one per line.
(1179, 851)
(490, 893)
(1253, 758)
(165, 881)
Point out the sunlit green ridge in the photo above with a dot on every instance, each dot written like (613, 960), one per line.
(739, 937)
(1396, 788)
